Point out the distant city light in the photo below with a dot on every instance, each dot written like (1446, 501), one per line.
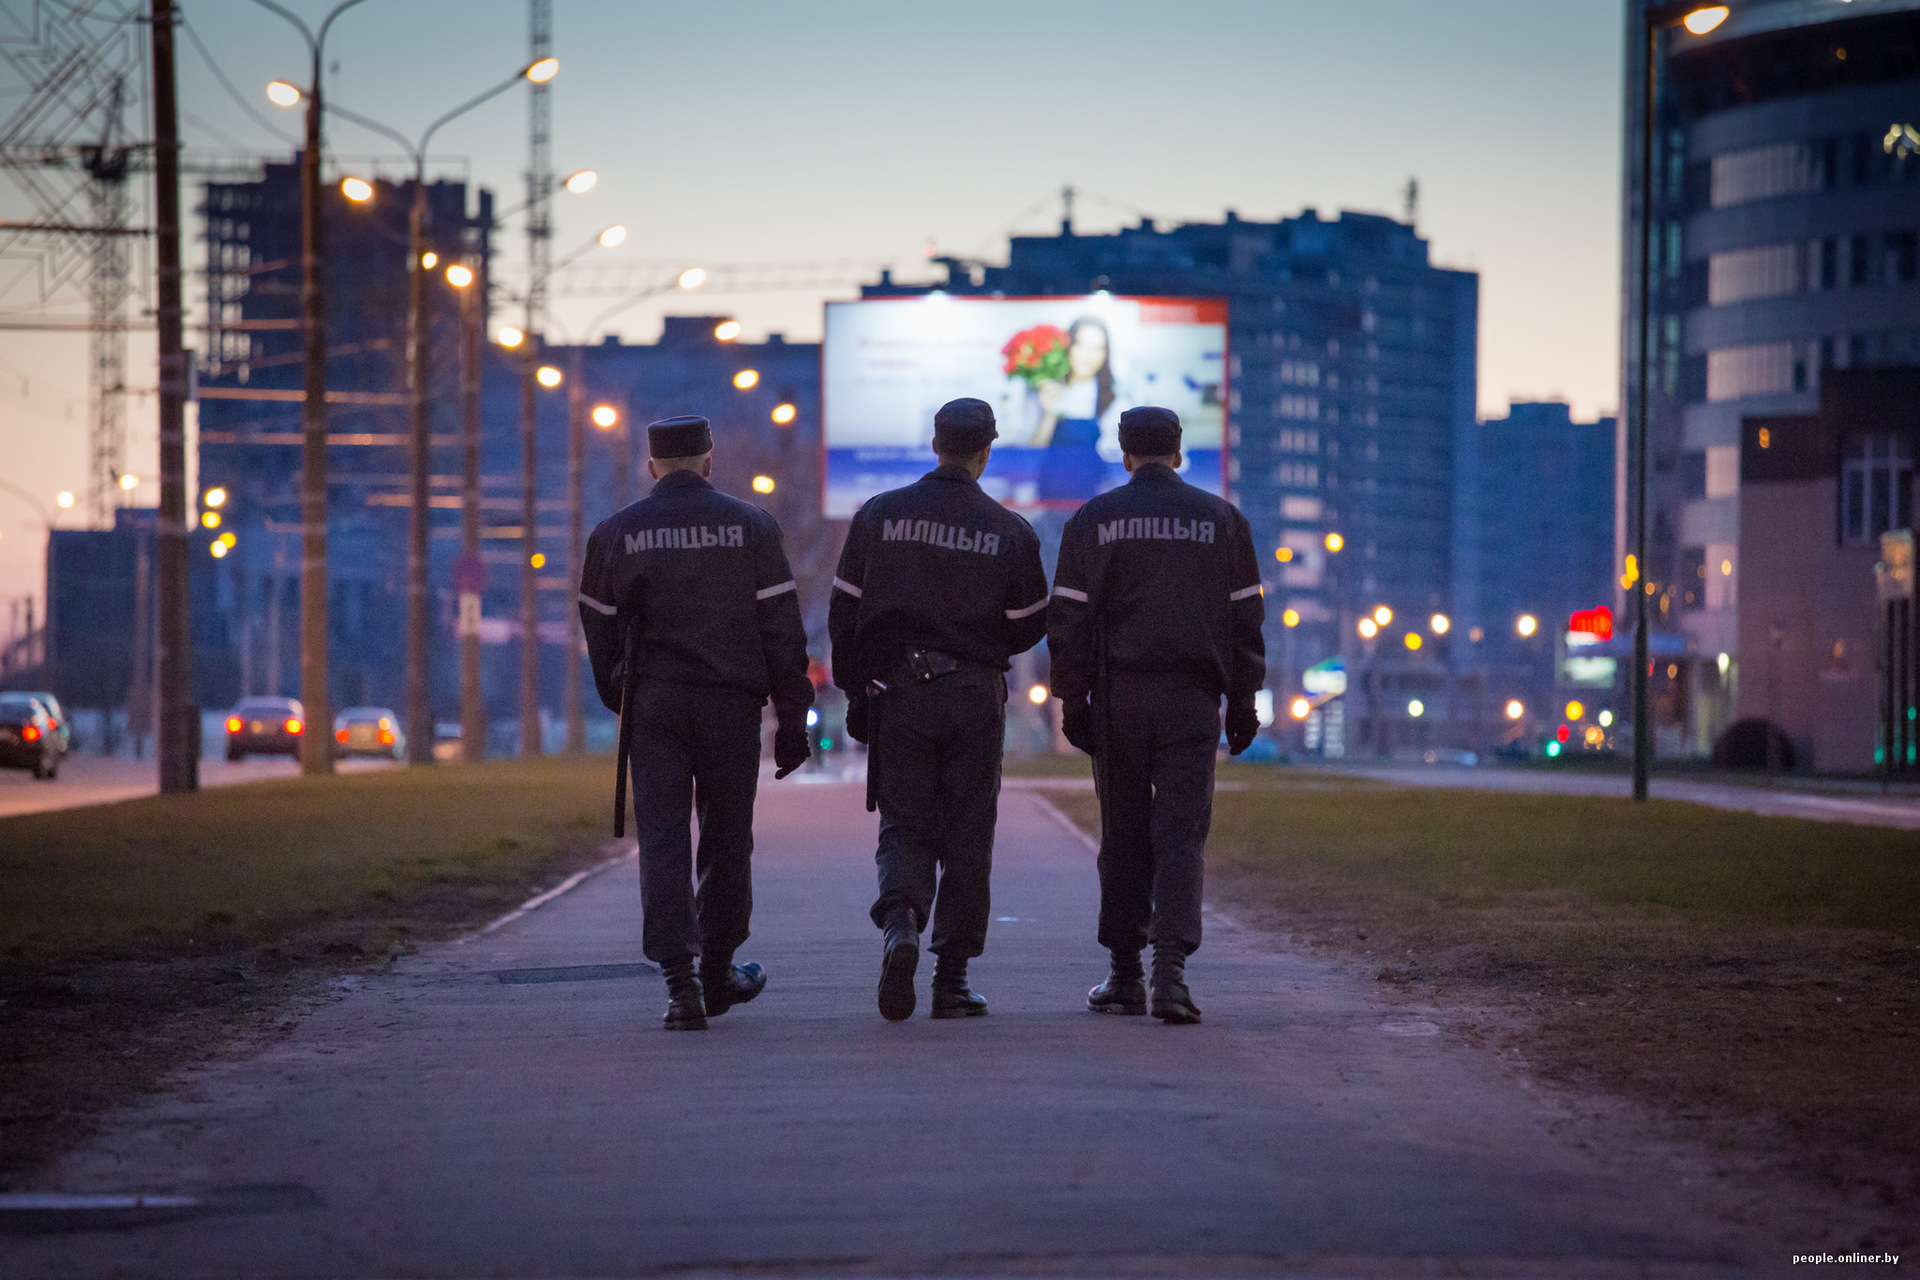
(227, 539)
(605, 415)
(727, 330)
(1526, 624)
(747, 379)
(1563, 733)
(1726, 568)
(1335, 542)
(356, 190)
(1300, 707)
(218, 550)
(1553, 749)
(1038, 695)
(429, 260)
(509, 336)
(1369, 628)
(215, 497)
(763, 484)
(1383, 615)
(1416, 708)
(547, 376)
(1439, 623)
(613, 237)
(1701, 21)
(543, 70)
(1413, 641)
(1515, 709)
(1476, 635)
(282, 94)
(1576, 711)
(813, 716)
(538, 560)
(1283, 554)
(209, 519)
(1290, 618)
(65, 499)
(458, 276)
(1723, 661)
(582, 182)
(693, 277)
(1595, 735)
(129, 482)
(1605, 718)
(783, 414)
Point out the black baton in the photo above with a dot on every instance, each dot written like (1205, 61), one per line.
(626, 746)
(874, 691)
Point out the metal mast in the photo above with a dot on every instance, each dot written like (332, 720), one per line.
(108, 287)
(539, 265)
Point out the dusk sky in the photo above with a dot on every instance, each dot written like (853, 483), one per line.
(746, 130)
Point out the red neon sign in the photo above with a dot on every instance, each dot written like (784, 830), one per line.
(1597, 623)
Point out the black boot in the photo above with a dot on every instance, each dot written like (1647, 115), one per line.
(686, 1008)
(1124, 991)
(727, 984)
(952, 997)
(897, 965)
(1171, 1002)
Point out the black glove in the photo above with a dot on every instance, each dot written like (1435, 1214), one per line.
(790, 747)
(857, 717)
(1076, 722)
(1243, 722)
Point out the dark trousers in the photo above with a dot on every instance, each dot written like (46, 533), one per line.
(936, 759)
(694, 750)
(1155, 778)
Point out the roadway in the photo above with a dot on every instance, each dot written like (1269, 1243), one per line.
(89, 779)
(508, 1105)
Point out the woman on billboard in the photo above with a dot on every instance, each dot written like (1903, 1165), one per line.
(1075, 413)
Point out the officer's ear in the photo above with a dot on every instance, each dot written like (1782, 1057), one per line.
(706, 466)
(653, 469)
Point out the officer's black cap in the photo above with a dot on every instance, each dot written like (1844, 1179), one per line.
(684, 437)
(1150, 432)
(963, 427)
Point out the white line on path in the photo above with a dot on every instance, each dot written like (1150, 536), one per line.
(539, 900)
(1053, 811)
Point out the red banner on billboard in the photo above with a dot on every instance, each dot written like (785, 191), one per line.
(1597, 623)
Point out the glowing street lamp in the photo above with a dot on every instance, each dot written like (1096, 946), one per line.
(1038, 695)
(605, 416)
(1526, 624)
(1383, 615)
(1290, 618)
(747, 379)
(215, 497)
(1516, 709)
(458, 276)
(548, 376)
(1414, 641)
(582, 182)
(1439, 624)
(65, 500)
(543, 70)
(613, 237)
(1369, 628)
(510, 337)
(356, 189)
(1416, 708)
(282, 94)
(763, 484)
(726, 330)
(693, 277)
(1335, 542)
(129, 482)
(783, 414)
(1300, 707)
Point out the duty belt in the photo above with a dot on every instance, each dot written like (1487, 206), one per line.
(920, 667)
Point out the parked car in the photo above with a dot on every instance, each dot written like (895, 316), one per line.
(27, 737)
(62, 727)
(265, 727)
(448, 741)
(369, 731)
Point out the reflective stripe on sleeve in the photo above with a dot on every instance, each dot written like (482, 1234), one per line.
(768, 593)
(1014, 615)
(843, 585)
(591, 603)
(1071, 594)
(1245, 592)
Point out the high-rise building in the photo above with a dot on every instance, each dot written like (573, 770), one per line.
(1786, 243)
(1351, 394)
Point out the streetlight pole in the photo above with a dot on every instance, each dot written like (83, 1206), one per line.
(1658, 17)
(576, 443)
(420, 438)
(530, 743)
(473, 730)
(316, 747)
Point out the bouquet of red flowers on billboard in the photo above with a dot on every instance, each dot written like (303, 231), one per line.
(1037, 355)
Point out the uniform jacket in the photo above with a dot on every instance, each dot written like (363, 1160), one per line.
(1165, 573)
(699, 581)
(936, 565)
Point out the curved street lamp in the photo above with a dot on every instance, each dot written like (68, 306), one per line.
(420, 260)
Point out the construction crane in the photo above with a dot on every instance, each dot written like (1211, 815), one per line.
(73, 70)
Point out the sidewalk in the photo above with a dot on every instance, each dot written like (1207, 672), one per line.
(509, 1106)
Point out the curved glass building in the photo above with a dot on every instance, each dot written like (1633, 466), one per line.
(1786, 244)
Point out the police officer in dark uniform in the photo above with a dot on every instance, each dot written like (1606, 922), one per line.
(938, 586)
(1156, 616)
(692, 622)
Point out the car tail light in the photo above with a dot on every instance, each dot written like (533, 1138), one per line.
(386, 737)
(30, 733)
(234, 724)
(340, 735)
(293, 726)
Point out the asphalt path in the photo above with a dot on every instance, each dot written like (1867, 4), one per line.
(509, 1106)
(1896, 809)
(89, 779)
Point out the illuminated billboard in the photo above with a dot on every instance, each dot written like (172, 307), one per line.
(1058, 372)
